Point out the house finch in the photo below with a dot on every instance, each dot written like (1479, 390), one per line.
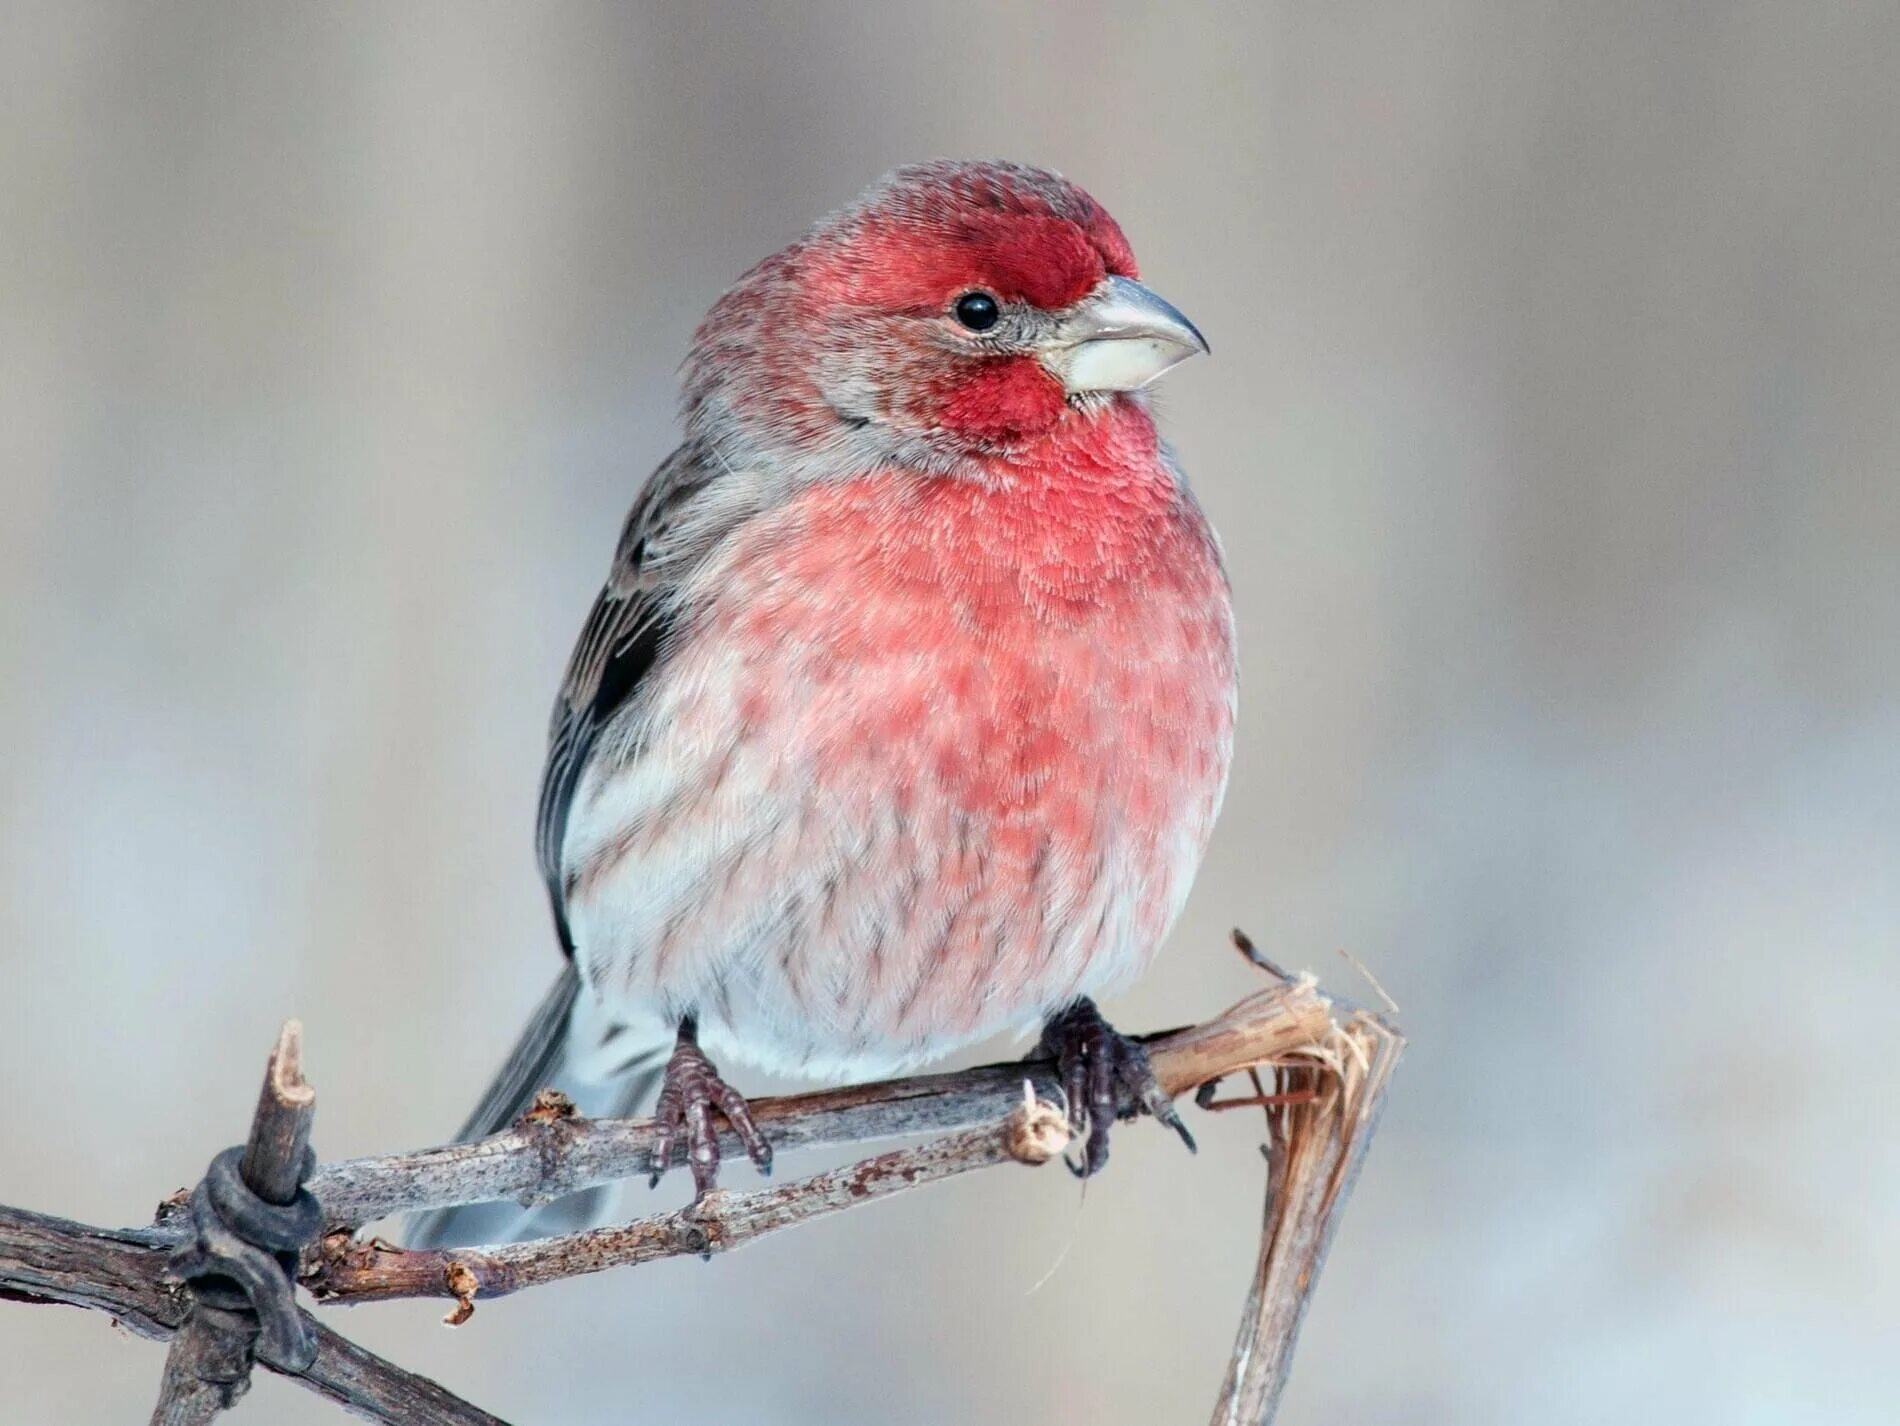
(906, 710)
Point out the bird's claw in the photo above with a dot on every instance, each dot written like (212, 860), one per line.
(689, 1092)
(1101, 1069)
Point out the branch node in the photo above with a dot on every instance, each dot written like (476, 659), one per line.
(701, 1227)
(463, 1285)
(1035, 1132)
(549, 1125)
(550, 1107)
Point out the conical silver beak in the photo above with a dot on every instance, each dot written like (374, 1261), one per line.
(1119, 338)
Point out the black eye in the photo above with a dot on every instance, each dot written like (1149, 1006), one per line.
(977, 311)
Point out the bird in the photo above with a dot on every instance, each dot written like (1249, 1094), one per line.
(906, 710)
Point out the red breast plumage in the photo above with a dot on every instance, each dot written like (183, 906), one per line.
(933, 756)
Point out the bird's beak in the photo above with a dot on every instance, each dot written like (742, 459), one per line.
(1119, 338)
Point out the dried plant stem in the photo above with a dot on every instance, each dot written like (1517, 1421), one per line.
(1319, 1125)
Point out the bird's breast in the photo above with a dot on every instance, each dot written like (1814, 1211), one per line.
(930, 757)
(996, 649)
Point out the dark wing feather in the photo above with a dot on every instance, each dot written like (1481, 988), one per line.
(622, 642)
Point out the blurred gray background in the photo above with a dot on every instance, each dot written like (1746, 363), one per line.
(1552, 431)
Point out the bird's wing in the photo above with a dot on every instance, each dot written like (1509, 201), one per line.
(680, 514)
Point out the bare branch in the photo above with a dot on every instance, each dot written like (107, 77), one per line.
(51, 1260)
(541, 1159)
(1330, 1078)
(1259, 1030)
(280, 1129)
(346, 1270)
(207, 1368)
(46, 1259)
(369, 1387)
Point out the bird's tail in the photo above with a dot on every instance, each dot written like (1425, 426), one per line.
(606, 1068)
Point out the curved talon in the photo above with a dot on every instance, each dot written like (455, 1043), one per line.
(1171, 1117)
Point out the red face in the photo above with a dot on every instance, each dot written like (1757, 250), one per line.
(934, 318)
(965, 274)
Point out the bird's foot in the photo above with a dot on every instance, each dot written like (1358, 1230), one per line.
(1098, 1067)
(689, 1092)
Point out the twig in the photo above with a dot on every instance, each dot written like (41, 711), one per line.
(1365, 974)
(51, 1260)
(280, 1128)
(1254, 956)
(543, 1159)
(345, 1270)
(1319, 1126)
(209, 1364)
(1258, 1030)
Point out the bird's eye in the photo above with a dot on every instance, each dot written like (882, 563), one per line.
(977, 311)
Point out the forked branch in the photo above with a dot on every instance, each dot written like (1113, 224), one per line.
(1330, 1070)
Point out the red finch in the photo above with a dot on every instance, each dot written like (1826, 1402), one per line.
(906, 710)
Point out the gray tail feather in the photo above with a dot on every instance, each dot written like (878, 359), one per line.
(530, 1066)
(604, 1070)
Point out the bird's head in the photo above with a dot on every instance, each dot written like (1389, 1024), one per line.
(955, 312)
